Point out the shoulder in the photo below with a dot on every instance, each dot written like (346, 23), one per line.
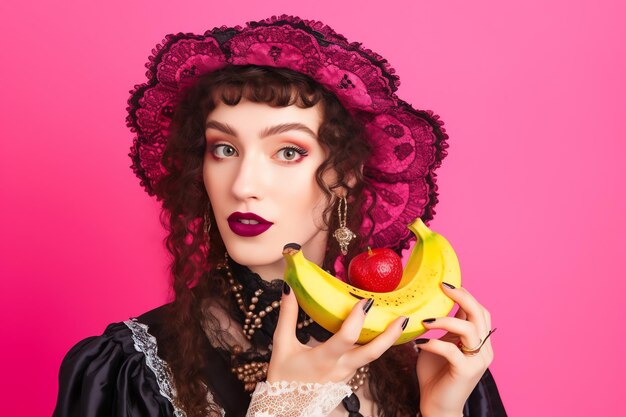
(120, 341)
(117, 373)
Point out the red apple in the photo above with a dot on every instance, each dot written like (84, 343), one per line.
(378, 270)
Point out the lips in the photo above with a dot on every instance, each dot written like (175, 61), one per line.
(247, 224)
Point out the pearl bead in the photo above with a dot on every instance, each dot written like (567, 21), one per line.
(253, 321)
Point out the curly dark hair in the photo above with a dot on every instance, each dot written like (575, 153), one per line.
(185, 203)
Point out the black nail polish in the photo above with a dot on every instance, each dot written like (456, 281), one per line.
(286, 288)
(448, 285)
(292, 246)
(368, 305)
(428, 320)
(421, 341)
(404, 323)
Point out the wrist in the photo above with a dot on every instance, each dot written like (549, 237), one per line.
(448, 414)
(429, 412)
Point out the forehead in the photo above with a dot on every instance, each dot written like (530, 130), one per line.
(248, 115)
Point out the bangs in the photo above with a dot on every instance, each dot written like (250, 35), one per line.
(269, 87)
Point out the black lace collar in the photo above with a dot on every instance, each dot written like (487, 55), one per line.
(262, 338)
(272, 291)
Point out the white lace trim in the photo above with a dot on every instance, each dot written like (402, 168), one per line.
(147, 344)
(276, 399)
(296, 399)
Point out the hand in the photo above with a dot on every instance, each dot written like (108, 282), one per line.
(447, 376)
(335, 360)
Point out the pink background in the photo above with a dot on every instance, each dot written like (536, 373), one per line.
(531, 196)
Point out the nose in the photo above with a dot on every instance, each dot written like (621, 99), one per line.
(249, 179)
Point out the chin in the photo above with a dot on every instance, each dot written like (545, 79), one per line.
(266, 251)
(252, 256)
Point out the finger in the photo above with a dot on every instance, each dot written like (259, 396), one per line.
(487, 317)
(465, 330)
(372, 350)
(467, 302)
(287, 318)
(487, 349)
(349, 332)
(447, 350)
(461, 314)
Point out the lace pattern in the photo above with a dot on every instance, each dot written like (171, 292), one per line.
(294, 399)
(408, 144)
(147, 344)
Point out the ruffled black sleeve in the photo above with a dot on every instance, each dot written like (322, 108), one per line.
(485, 401)
(109, 376)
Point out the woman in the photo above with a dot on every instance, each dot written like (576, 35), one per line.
(252, 138)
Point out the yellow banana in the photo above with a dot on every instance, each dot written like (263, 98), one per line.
(328, 300)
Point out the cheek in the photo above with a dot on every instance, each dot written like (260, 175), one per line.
(212, 186)
(303, 188)
(206, 178)
(312, 205)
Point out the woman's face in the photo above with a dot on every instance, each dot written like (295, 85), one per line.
(259, 172)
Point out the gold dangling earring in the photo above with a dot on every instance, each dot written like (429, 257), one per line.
(343, 234)
(207, 220)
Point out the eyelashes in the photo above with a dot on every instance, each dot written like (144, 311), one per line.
(222, 150)
(288, 154)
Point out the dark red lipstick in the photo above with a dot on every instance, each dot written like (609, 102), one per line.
(247, 224)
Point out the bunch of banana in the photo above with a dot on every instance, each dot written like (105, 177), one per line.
(328, 300)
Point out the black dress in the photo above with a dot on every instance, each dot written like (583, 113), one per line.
(120, 374)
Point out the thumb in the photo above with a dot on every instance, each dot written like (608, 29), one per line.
(285, 332)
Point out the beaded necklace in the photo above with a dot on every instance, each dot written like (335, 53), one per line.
(253, 319)
(254, 371)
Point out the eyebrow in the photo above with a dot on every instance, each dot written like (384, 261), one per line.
(211, 124)
(272, 130)
(286, 127)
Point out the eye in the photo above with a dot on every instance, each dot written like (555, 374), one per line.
(291, 153)
(223, 150)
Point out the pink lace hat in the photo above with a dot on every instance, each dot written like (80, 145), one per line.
(408, 144)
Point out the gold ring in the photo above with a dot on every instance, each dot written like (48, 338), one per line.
(473, 351)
